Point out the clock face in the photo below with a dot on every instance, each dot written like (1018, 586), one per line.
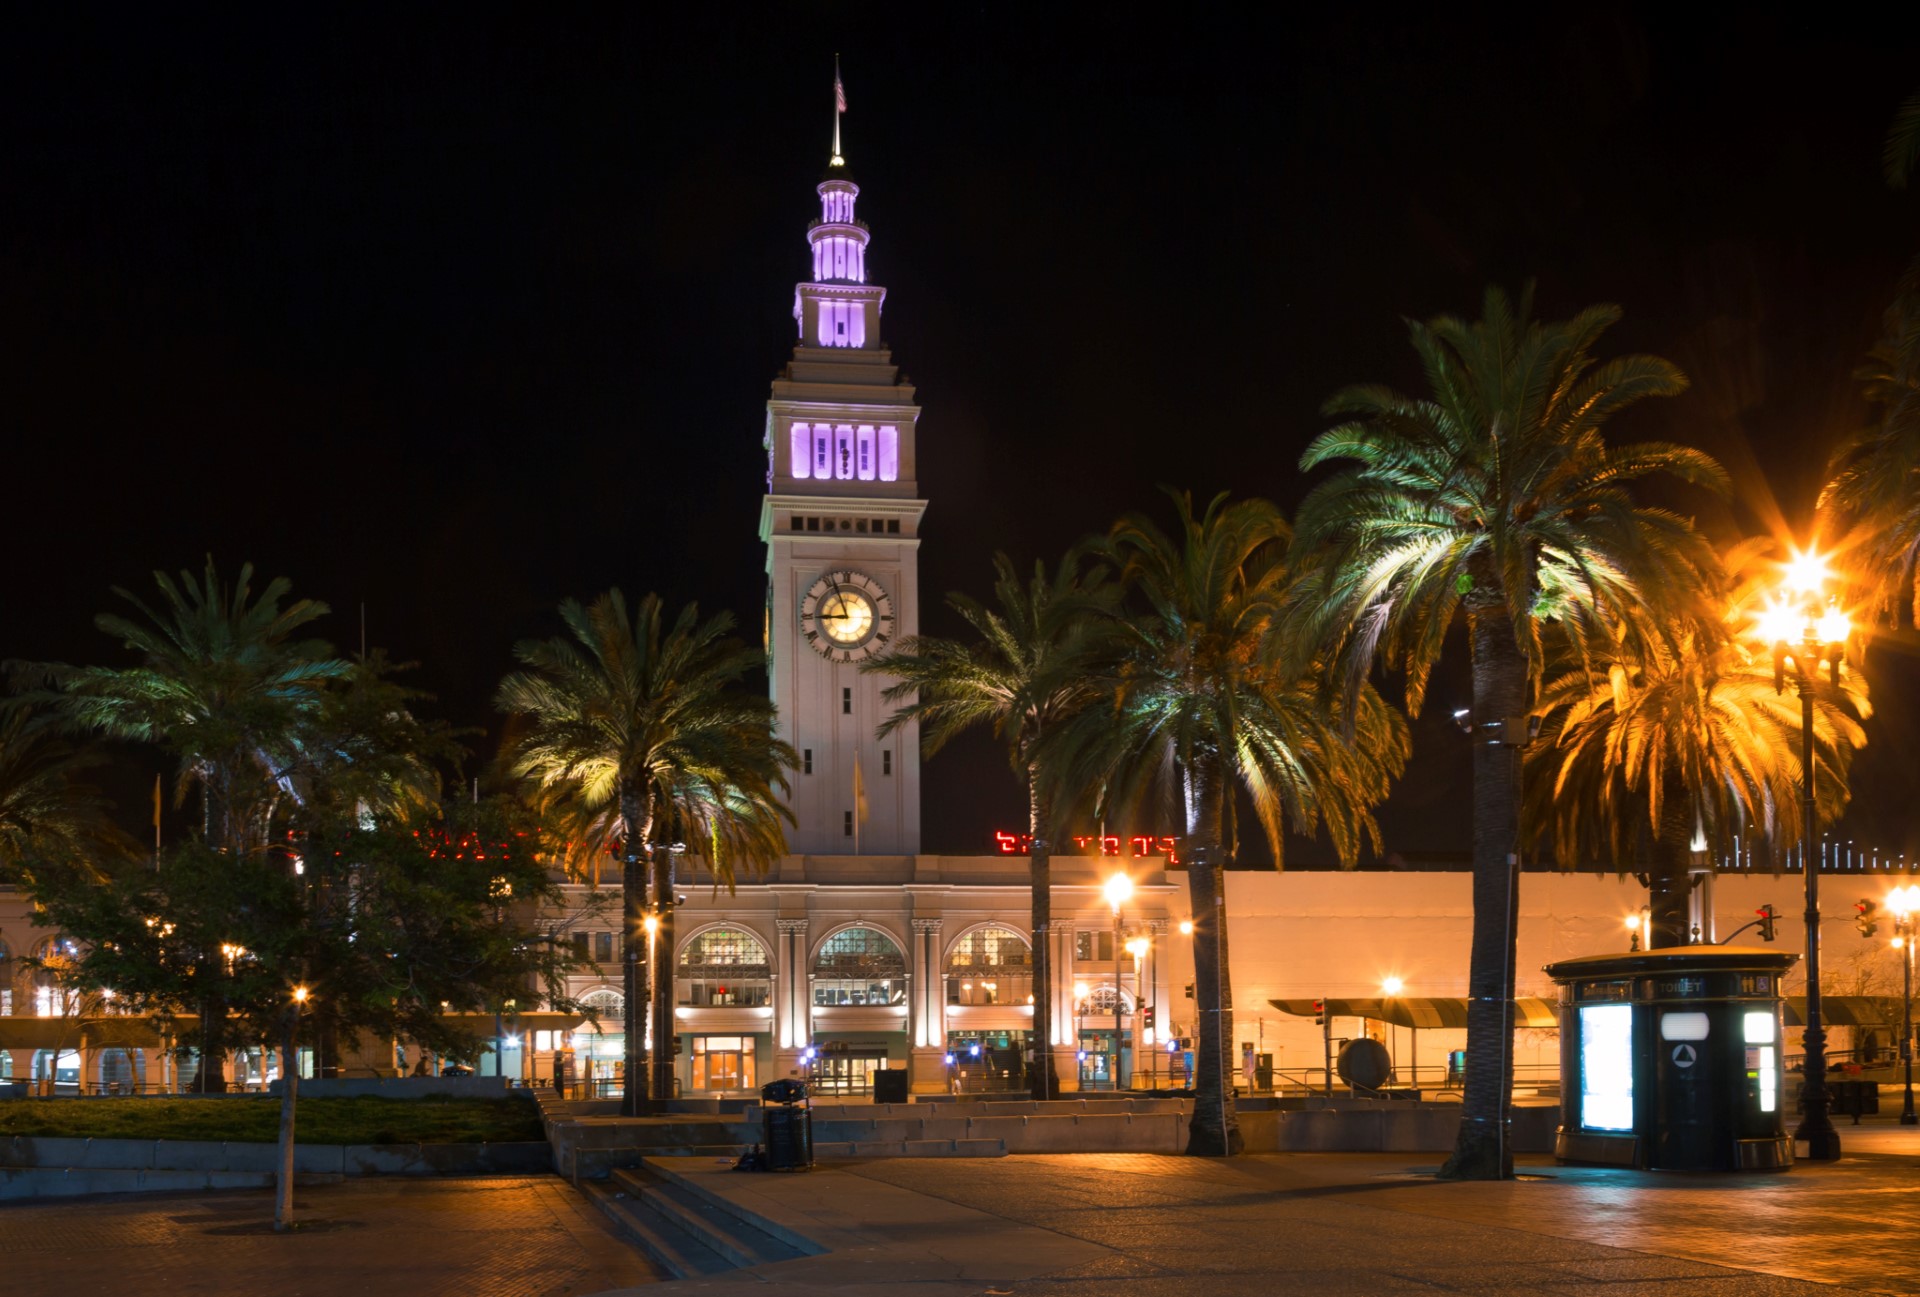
(847, 616)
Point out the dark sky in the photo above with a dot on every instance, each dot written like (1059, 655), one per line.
(454, 314)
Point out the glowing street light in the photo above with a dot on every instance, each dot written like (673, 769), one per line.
(1633, 932)
(1904, 903)
(1805, 631)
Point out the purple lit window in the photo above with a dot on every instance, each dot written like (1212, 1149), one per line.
(822, 450)
(843, 452)
(864, 442)
(800, 450)
(889, 454)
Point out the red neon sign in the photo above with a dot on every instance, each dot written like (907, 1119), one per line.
(1139, 846)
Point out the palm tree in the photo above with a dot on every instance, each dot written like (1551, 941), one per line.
(228, 689)
(1495, 499)
(47, 811)
(1642, 755)
(1201, 709)
(646, 726)
(1873, 488)
(1025, 672)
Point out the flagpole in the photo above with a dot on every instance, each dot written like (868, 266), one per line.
(838, 98)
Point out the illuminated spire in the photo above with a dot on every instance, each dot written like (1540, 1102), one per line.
(839, 106)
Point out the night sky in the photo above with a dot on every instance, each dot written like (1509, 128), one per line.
(454, 315)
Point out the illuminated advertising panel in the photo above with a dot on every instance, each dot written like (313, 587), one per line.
(1606, 1066)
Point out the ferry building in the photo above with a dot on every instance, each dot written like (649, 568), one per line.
(858, 952)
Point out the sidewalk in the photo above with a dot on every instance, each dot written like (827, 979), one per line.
(1145, 1225)
(497, 1236)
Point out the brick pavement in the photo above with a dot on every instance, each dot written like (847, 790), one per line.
(1143, 1225)
(511, 1236)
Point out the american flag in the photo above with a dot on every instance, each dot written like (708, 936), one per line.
(839, 94)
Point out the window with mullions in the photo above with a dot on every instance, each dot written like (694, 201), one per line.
(990, 966)
(860, 966)
(1093, 946)
(725, 968)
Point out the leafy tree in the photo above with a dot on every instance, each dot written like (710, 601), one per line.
(1495, 499)
(645, 729)
(1200, 704)
(1025, 671)
(383, 929)
(224, 685)
(1642, 751)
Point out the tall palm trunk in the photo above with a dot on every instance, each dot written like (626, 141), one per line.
(1045, 1083)
(289, 1093)
(1668, 880)
(1483, 1151)
(662, 953)
(633, 973)
(1214, 1130)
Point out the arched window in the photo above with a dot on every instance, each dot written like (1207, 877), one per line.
(860, 966)
(990, 966)
(1100, 1000)
(609, 1006)
(725, 967)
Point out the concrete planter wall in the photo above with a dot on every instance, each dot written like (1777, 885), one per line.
(402, 1087)
(67, 1167)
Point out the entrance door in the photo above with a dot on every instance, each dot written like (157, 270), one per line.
(850, 1073)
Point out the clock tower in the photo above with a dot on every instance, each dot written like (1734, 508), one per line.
(841, 522)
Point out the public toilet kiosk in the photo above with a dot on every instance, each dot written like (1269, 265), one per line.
(1670, 1059)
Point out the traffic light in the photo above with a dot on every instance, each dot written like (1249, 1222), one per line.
(1767, 915)
(1319, 1013)
(1867, 917)
(1149, 1023)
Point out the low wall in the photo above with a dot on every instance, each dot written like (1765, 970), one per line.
(189, 1158)
(591, 1148)
(402, 1087)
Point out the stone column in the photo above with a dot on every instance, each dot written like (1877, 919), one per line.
(928, 1058)
(1066, 1036)
(792, 1003)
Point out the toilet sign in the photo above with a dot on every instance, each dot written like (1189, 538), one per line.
(1684, 1055)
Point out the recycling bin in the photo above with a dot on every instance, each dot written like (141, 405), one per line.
(786, 1126)
(1670, 1059)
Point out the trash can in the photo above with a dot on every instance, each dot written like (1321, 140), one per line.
(1263, 1073)
(890, 1085)
(787, 1126)
(1670, 1059)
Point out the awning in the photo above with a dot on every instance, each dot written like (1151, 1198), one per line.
(1422, 1011)
(1847, 1010)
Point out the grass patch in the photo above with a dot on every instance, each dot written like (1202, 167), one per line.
(436, 1119)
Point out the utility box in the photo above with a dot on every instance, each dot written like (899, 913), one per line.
(1671, 1059)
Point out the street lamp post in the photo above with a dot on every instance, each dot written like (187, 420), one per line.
(1903, 902)
(1391, 988)
(1806, 634)
(1138, 948)
(1118, 888)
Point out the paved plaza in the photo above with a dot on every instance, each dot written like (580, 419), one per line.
(1080, 1225)
(1155, 1226)
(507, 1236)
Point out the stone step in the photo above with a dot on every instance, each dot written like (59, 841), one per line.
(913, 1148)
(717, 1224)
(680, 1254)
(691, 1180)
